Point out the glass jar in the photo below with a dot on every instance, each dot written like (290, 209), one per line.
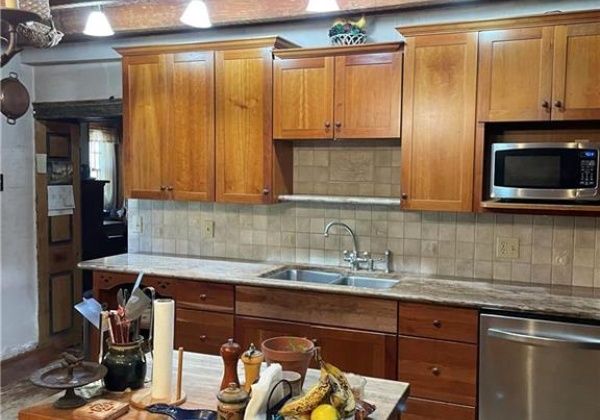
(126, 366)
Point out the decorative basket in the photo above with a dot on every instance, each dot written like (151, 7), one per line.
(40, 35)
(348, 39)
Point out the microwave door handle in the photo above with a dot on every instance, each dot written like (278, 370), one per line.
(534, 340)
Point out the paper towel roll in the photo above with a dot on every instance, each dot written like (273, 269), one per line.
(162, 368)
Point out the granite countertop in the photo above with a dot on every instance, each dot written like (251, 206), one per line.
(578, 302)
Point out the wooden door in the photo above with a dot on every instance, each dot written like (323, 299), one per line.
(515, 74)
(438, 122)
(191, 151)
(576, 85)
(364, 353)
(58, 234)
(145, 125)
(244, 80)
(303, 98)
(368, 92)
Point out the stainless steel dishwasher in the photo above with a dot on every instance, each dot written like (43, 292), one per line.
(538, 369)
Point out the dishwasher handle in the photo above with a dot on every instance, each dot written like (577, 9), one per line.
(536, 340)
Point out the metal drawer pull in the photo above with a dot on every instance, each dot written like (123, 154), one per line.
(202, 296)
(544, 341)
(436, 371)
(202, 337)
(437, 323)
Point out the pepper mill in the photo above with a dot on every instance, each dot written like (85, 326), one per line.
(252, 359)
(230, 352)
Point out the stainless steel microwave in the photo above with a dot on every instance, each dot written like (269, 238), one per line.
(545, 171)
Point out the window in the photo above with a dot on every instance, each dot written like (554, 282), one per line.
(103, 161)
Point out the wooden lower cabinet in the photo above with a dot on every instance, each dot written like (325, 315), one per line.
(418, 409)
(202, 331)
(439, 370)
(362, 352)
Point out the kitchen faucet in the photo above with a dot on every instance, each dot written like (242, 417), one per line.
(351, 257)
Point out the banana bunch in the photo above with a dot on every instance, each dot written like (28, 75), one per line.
(332, 388)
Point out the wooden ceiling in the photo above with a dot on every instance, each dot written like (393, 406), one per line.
(137, 17)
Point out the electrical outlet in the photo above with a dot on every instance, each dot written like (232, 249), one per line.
(208, 228)
(136, 224)
(507, 248)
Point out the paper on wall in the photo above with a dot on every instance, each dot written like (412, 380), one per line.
(60, 200)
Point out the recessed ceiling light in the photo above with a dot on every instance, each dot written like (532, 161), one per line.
(322, 6)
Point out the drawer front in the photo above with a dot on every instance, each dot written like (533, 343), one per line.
(438, 370)
(417, 409)
(205, 296)
(441, 322)
(107, 280)
(165, 287)
(326, 309)
(201, 331)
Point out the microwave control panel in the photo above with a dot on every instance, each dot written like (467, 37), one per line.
(588, 168)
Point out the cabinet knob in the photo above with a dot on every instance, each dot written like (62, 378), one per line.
(338, 124)
(436, 371)
(558, 104)
(266, 191)
(170, 188)
(202, 296)
(314, 340)
(202, 337)
(327, 124)
(437, 323)
(163, 187)
(545, 104)
(404, 196)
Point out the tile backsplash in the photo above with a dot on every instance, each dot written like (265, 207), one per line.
(558, 250)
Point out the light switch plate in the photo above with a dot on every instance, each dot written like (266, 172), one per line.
(136, 224)
(507, 248)
(208, 229)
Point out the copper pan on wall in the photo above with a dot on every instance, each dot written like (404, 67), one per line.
(14, 98)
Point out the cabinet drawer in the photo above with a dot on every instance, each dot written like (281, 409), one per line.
(202, 331)
(441, 322)
(107, 280)
(205, 296)
(417, 409)
(325, 309)
(438, 370)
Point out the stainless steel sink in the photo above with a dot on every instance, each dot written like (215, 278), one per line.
(329, 277)
(308, 276)
(370, 282)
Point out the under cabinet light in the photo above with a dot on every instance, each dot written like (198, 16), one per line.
(97, 24)
(196, 15)
(322, 6)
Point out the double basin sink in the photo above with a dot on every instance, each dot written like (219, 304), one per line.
(317, 276)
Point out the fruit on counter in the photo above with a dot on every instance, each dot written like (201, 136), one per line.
(333, 391)
(310, 400)
(325, 412)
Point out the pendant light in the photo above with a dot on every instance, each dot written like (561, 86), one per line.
(97, 24)
(322, 6)
(196, 15)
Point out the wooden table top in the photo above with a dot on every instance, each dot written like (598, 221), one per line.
(202, 376)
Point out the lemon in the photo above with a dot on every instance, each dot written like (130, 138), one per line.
(324, 412)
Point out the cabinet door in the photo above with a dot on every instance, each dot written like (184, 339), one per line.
(438, 122)
(418, 409)
(365, 353)
(145, 125)
(303, 98)
(368, 92)
(576, 88)
(244, 126)
(202, 331)
(191, 139)
(515, 74)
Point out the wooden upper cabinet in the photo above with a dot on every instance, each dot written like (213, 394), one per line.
(190, 146)
(438, 122)
(515, 74)
(540, 73)
(169, 130)
(576, 86)
(145, 98)
(243, 126)
(303, 98)
(330, 93)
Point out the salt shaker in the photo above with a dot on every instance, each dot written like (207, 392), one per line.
(230, 352)
(232, 402)
(252, 359)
